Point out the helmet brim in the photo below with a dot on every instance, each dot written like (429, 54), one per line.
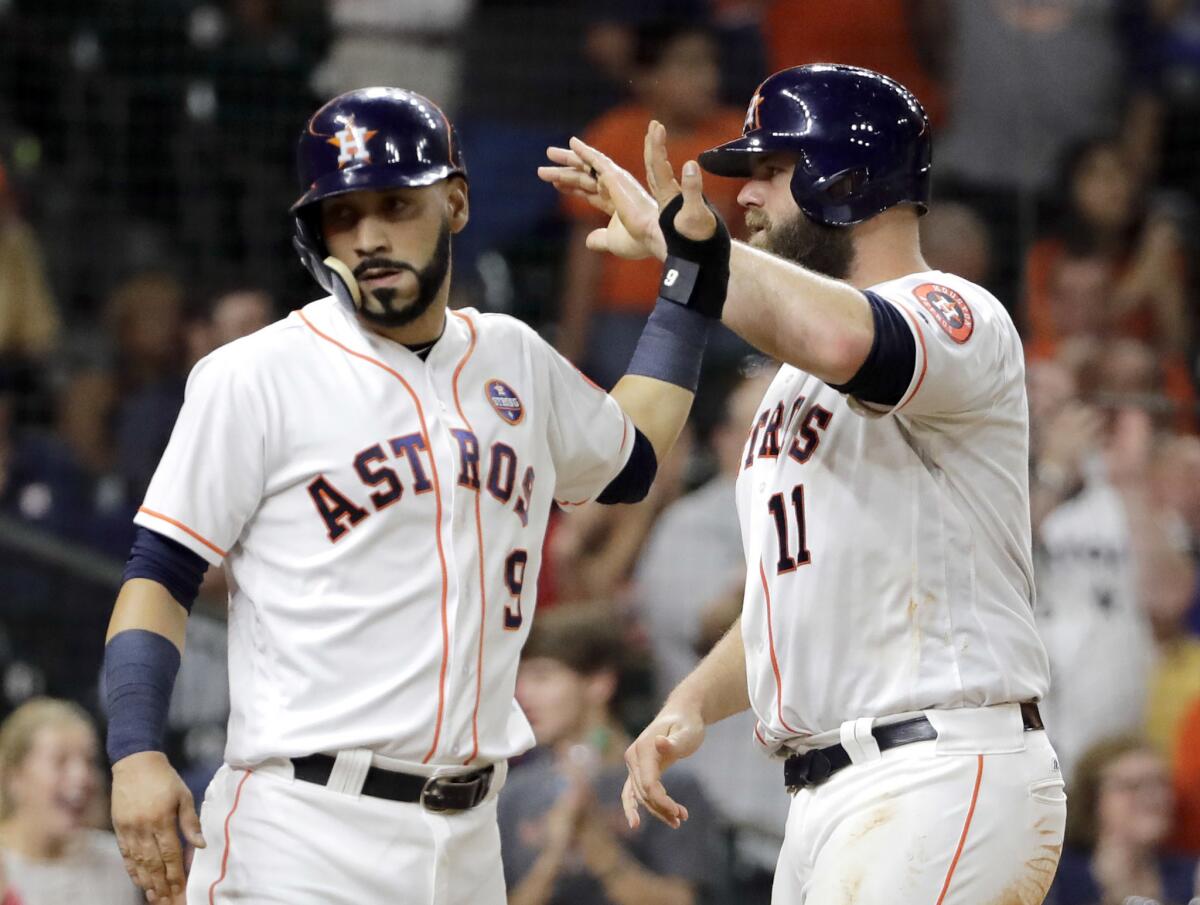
(371, 179)
(735, 158)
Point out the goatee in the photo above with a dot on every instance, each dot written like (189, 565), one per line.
(429, 282)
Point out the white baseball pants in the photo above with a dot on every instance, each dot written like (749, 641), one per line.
(975, 817)
(275, 840)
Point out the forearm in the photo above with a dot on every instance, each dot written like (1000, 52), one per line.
(141, 660)
(820, 325)
(632, 884)
(657, 408)
(717, 686)
(582, 280)
(625, 880)
(147, 605)
(537, 886)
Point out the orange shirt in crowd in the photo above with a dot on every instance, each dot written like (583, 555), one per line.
(1187, 784)
(633, 285)
(1042, 339)
(870, 33)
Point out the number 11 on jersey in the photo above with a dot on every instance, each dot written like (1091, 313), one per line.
(778, 509)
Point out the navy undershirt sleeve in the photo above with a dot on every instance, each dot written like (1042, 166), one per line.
(168, 562)
(884, 377)
(633, 483)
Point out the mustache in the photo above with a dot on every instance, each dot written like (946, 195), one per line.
(380, 264)
(757, 220)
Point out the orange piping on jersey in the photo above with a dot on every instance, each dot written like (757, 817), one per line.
(758, 735)
(924, 359)
(771, 644)
(479, 538)
(966, 826)
(212, 890)
(185, 529)
(437, 731)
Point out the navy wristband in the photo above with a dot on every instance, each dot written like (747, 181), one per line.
(139, 674)
(672, 345)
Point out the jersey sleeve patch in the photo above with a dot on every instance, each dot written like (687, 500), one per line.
(949, 309)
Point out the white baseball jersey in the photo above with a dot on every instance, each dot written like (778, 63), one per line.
(380, 519)
(888, 550)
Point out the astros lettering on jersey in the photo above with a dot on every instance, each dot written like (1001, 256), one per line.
(381, 519)
(888, 550)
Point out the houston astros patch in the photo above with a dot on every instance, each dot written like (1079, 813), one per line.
(948, 308)
(505, 401)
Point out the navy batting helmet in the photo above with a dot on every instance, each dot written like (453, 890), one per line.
(365, 140)
(862, 141)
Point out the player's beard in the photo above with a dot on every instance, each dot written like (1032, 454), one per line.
(825, 249)
(429, 282)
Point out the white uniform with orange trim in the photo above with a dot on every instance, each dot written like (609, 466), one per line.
(380, 519)
(890, 574)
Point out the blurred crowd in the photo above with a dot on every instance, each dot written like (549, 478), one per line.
(145, 174)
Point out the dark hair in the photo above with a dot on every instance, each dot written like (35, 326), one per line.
(653, 39)
(1083, 816)
(584, 637)
(1075, 232)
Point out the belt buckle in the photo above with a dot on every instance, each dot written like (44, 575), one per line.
(455, 793)
(810, 769)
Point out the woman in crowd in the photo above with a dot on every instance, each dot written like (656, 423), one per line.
(1119, 817)
(49, 804)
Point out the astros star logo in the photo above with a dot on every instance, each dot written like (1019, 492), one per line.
(352, 143)
(752, 114)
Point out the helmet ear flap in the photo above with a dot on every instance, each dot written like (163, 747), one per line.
(331, 274)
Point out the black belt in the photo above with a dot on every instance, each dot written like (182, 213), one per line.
(435, 793)
(814, 767)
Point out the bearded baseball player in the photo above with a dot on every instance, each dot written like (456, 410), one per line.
(886, 642)
(375, 474)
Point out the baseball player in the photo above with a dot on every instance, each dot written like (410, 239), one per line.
(375, 473)
(886, 643)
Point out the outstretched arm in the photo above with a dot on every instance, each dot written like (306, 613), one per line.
(714, 690)
(820, 325)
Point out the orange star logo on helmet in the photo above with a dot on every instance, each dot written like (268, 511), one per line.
(352, 143)
(752, 115)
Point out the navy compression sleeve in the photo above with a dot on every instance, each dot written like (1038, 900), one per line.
(168, 562)
(885, 375)
(633, 483)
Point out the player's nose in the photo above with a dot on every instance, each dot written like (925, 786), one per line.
(751, 194)
(370, 237)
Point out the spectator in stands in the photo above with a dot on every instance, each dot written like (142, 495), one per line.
(686, 603)
(231, 315)
(1104, 222)
(1118, 821)
(50, 791)
(954, 239)
(29, 321)
(1096, 632)
(563, 837)
(1186, 837)
(900, 38)
(413, 45)
(145, 315)
(1167, 576)
(1165, 38)
(1025, 80)
(606, 299)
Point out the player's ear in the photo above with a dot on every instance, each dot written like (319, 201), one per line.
(458, 204)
